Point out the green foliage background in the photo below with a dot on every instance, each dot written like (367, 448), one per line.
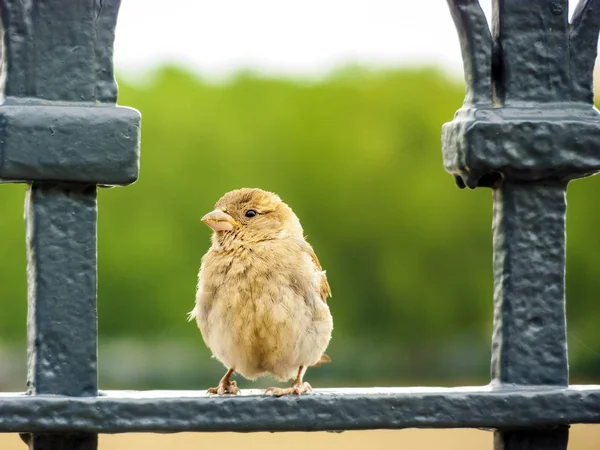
(357, 155)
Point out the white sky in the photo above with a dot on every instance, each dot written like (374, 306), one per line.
(301, 37)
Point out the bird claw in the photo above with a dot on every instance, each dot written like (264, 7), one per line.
(230, 388)
(294, 389)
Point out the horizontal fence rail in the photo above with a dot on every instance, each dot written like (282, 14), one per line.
(527, 127)
(324, 410)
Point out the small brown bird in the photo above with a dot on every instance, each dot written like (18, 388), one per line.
(261, 300)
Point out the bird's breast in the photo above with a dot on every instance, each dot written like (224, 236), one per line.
(258, 311)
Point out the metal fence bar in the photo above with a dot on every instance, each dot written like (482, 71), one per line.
(526, 139)
(62, 133)
(62, 329)
(484, 407)
(529, 344)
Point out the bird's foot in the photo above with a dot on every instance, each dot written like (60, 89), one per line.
(294, 389)
(230, 388)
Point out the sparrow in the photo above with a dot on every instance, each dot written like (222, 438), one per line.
(261, 300)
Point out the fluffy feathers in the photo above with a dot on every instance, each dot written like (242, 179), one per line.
(261, 299)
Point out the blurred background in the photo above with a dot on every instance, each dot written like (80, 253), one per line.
(337, 106)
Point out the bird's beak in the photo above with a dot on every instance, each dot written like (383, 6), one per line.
(219, 220)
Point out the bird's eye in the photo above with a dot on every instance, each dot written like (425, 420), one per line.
(250, 213)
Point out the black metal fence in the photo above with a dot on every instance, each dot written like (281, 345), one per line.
(527, 127)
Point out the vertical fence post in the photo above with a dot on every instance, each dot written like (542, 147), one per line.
(529, 345)
(61, 250)
(61, 131)
(527, 127)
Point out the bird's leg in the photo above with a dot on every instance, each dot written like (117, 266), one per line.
(226, 386)
(298, 386)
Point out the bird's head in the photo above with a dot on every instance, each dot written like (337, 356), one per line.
(252, 215)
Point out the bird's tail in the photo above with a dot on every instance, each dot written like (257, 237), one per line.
(324, 359)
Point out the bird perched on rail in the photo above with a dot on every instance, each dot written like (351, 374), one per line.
(261, 300)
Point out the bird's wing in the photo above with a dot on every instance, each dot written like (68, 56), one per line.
(325, 288)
